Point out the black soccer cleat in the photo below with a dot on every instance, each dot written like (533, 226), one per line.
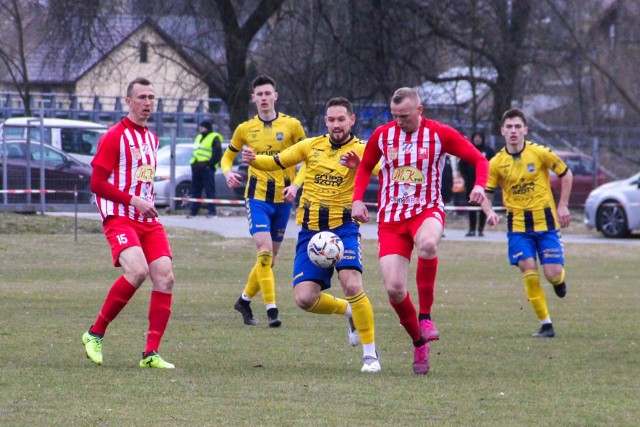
(274, 318)
(560, 290)
(546, 331)
(244, 308)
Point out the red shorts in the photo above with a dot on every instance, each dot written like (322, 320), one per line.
(397, 238)
(122, 233)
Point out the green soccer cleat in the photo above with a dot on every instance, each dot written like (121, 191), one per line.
(93, 347)
(153, 360)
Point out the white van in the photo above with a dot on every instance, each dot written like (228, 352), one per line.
(77, 137)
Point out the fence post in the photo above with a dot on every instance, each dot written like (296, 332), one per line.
(96, 109)
(160, 117)
(180, 118)
(596, 160)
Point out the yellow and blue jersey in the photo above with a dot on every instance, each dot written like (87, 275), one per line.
(268, 138)
(526, 191)
(325, 202)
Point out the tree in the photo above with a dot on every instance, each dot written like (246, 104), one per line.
(16, 16)
(491, 33)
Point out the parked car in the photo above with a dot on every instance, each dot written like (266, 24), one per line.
(584, 175)
(76, 137)
(61, 172)
(614, 208)
(183, 177)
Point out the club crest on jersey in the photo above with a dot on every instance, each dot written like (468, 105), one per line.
(145, 173)
(392, 153)
(423, 153)
(531, 167)
(408, 174)
(135, 152)
(279, 136)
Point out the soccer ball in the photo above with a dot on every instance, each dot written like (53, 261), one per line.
(325, 249)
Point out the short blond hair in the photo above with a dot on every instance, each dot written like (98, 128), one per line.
(404, 93)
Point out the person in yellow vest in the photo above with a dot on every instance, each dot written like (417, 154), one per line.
(207, 152)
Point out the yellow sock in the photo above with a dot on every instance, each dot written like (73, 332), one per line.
(253, 287)
(362, 314)
(328, 304)
(535, 293)
(557, 280)
(264, 274)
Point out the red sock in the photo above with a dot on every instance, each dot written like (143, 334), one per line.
(118, 297)
(408, 317)
(159, 312)
(426, 281)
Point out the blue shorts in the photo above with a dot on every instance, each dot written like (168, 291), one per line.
(266, 216)
(547, 245)
(305, 270)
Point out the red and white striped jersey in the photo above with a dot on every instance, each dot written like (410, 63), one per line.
(129, 152)
(411, 168)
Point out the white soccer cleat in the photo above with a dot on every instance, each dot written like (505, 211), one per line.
(371, 364)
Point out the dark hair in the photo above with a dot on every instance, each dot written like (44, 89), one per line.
(403, 93)
(340, 101)
(263, 79)
(480, 134)
(513, 113)
(137, 81)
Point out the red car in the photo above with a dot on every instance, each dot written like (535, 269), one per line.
(584, 177)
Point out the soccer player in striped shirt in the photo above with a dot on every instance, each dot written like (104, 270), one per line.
(410, 207)
(331, 161)
(122, 180)
(268, 195)
(522, 168)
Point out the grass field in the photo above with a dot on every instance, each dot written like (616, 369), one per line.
(485, 371)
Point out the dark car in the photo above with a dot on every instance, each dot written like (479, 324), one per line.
(62, 173)
(584, 176)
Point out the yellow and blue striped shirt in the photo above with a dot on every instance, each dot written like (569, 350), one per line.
(269, 138)
(526, 191)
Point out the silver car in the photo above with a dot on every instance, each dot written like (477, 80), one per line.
(182, 182)
(614, 208)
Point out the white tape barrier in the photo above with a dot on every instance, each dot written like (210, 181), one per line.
(241, 202)
(38, 191)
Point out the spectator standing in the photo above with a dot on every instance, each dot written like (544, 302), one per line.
(477, 218)
(122, 180)
(207, 152)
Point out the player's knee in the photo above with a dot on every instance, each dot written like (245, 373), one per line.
(164, 283)
(396, 294)
(137, 275)
(305, 302)
(427, 248)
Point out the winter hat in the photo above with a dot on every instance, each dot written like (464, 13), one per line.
(206, 124)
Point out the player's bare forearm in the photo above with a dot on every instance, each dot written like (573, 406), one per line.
(493, 218)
